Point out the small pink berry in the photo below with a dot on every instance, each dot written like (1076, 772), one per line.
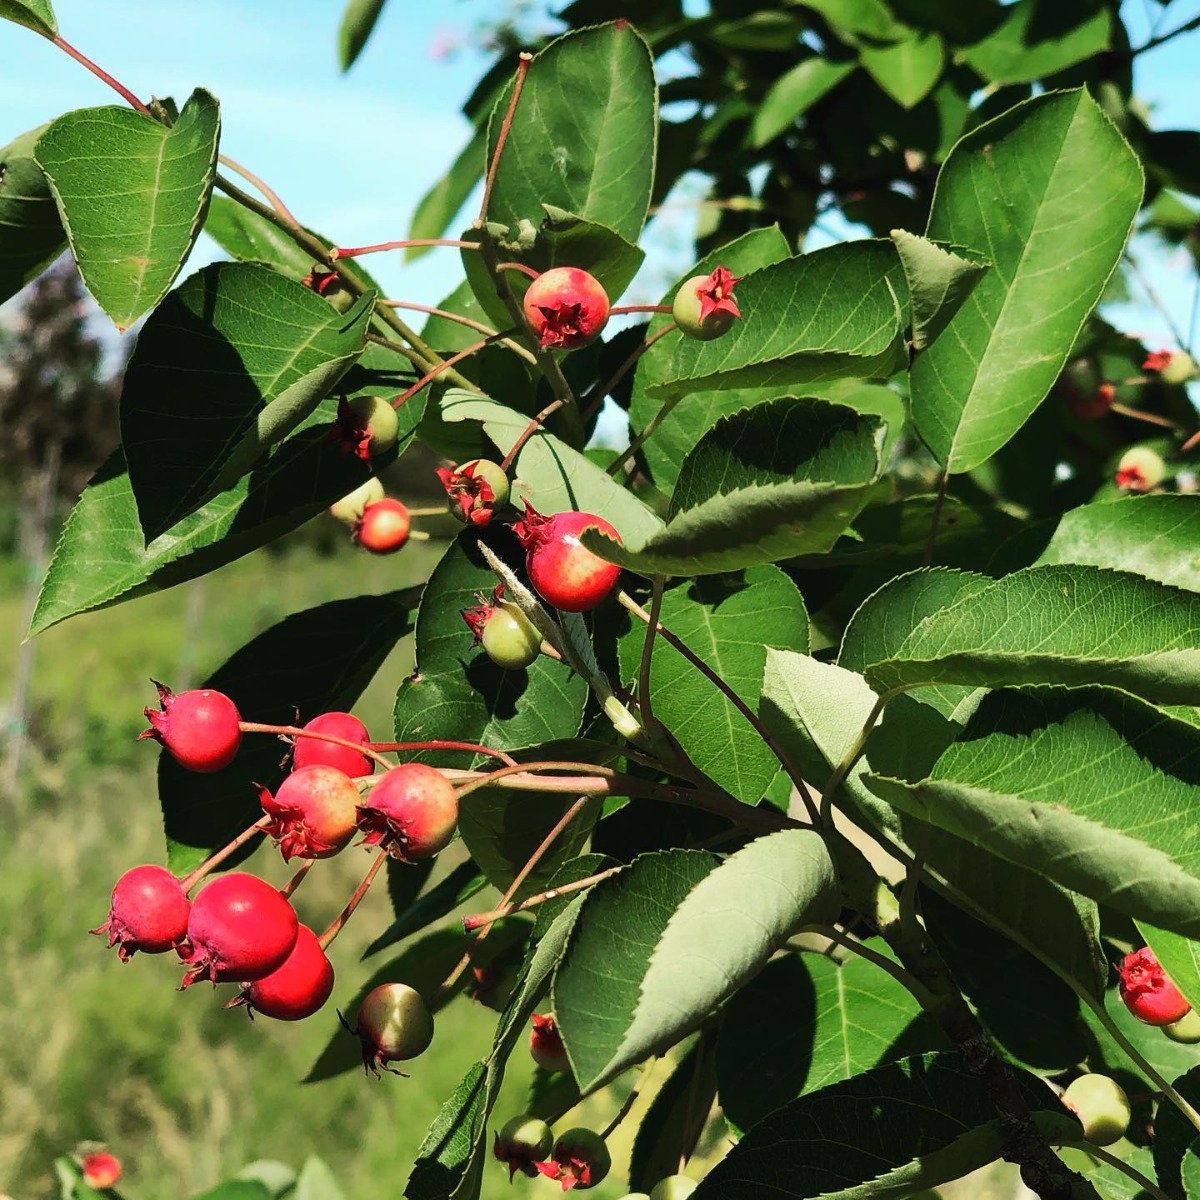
(566, 308)
(314, 752)
(314, 812)
(412, 812)
(1095, 406)
(200, 729)
(383, 526)
(1147, 990)
(100, 1171)
(149, 912)
(295, 990)
(563, 571)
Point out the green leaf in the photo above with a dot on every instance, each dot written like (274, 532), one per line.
(229, 364)
(806, 1023)
(554, 477)
(728, 622)
(457, 692)
(793, 94)
(33, 14)
(358, 20)
(1154, 536)
(939, 282)
(721, 932)
(1069, 625)
(236, 1189)
(465, 881)
(1089, 787)
(31, 235)
(583, 135)
(677, 433)
(821, 316)
(860, 18)
(1010, 192)
(131, 194)
(442, 202)
(767, 483)
(445, 1153)
(316, 1182)
(342, 644)
(578, 868)
(1040, 38)
(1175, 1137)
(247, 237)
(908, 70)
(914, 1124)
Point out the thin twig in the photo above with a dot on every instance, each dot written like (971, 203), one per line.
(101, 74)
(931, 539)
(637, 443)
(214, 860)
(652, 627)
(441, 744)
(838, 777)
(478, 326)
(431, 375)
(294, 731)
(272, 196)
(535, 423)
(592, 401)
(379, 247)
(359, 892)
(475, 920)
(1151, 294)
(523, 61)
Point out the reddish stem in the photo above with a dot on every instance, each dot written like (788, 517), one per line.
(534, 425)
(523, 61)
(636, 308)
(294, 731)
(272, 196)
(475, 920)
(1138, 415)
(1194, 440)
(595, 398)
(101, 73)
(376, 247)
(474, 747)
(189, 881)
(354, 901)
(297, 878)
(516, 266)
(473, 348)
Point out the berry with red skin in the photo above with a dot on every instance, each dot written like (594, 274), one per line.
(1139, 470)
(240, 929)
(1102, 1107)
(704, 307)
(201, 729)
(295, 990)
(315, 752)
(314, 812)
(1095, 406)
(546, 1045)
(366, 427)
(475, 489)
(522, 1142)
(509, 637)
(149, 912)
(580, 1159)
(563, 571)
(674, 1187)
(566, 308)
(100, 1171)
(1186, 1030)
(393, 1023)
(411, 812)
(349, 509)
(1147, 990)
(383, 527)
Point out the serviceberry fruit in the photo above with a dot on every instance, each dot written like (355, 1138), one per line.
(566, 308)
(200, 729)
(240, 929)
(1186, 1030)
(1096, 405)
(1173, 366)
(475, 490)
(509, 637)
(314, 752)
(563, 571)
(1101, 1106)
(383, 527)
(546, 1044)
(411, 812)
(313, 813)
(366, 427)
(149, 912)
(1140, 469)
(522, 1142)
(1147, 990)
(349, 509)
(393, 1023)
(295, 990)
(579, 1159)
(100, 1171)
(704, 307)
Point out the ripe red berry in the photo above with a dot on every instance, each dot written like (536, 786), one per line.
(476, 489)
(314, 752)
(149, 912)
(383, 526)
(200, 729)
(314, 811)
(566, 308)
(100, 1171)
(295, 990)
(366, 426)
(546, 1045)
(1148, 991)
(349, 509)
(580, 1159)
(563, 571)
(521, 1143)
(411, 812)
(393, 1023)
(704, 307)
(240, 929)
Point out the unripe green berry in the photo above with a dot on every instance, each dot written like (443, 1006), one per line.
(509, 638)
(1101, 1106)
(394, 1023)
(521, 1142)
(349, 508)
(1180, 367)
(1140, 469)
(1186, 1029)
(580, 1159)
(674, 1187)
(378, 422)
(685, 309)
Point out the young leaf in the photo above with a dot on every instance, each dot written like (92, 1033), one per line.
(31, 235)
(229, 364)
(33, 14)
(131, 193)
(793, 94)
(939, 282)
(358, 20)
(1010, 191)
(768, 483)
(907, 70)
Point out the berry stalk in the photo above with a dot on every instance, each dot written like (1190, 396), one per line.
(472, 747)
(294, 731)
(355, 900)
(213, 861)
(476, 920)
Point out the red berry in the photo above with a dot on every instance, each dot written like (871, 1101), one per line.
(580, 1159)
(149, 912)
(295, 990)
(566, 308)
(240, 929)
(1148, 991)
(1093, 407)
(704, 307)
(521, 1143)
(546, 1045)
(349, 509)
(200, 729)
(383, 526)
(393, 1023)
(314, 752)
(366, 426)
(100, 1171)
(563, 571)
(315, 811)
(411, 812)
(476, 489)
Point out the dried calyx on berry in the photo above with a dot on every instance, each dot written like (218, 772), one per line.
(562, 570)
(579, 1159)
(314, 812)
(366, 427)
(508, 636)
(1148, 991)
(522, 1142)
(1172, 366)
(566, 308)
(149, 912)
(475, 490)
(201, 729)
(546, 1044)
(704, 307)
(327, 284)
(393, 1024)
